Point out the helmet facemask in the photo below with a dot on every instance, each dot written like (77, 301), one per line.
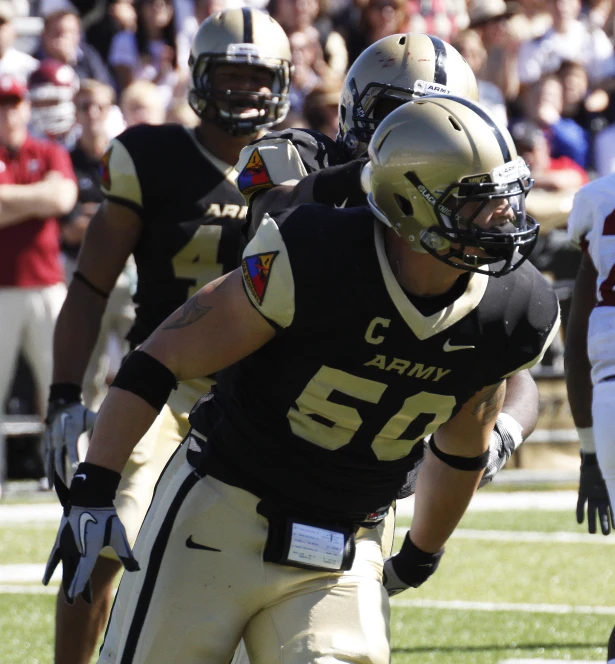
(459, 210)
(240, 112)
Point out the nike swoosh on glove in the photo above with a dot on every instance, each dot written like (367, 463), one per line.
(83, 533)
(593, 492)
(410, 568)
(504, 440)
(65, 423)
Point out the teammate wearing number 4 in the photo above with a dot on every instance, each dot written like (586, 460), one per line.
(327, 345)
(171, 200)
(590, 353)
(283, 169)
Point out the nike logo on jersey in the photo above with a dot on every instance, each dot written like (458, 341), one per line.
(84, 519)
(448, 347)
(191, 544)
(343, 205)
(79, 477)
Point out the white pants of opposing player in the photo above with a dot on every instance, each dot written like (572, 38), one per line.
(193, 605)
(603, 403)
(27, 321)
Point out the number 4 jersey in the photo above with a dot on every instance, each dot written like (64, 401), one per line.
(591, 226)
(324, 417)
(192, 217)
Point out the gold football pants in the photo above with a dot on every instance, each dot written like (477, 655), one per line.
(203, 586)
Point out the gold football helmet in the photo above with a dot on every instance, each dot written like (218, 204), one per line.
(396, 69)
(240, 36)
(448, 180)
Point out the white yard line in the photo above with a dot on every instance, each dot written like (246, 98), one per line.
(549, 661)
(30, 573)
(482, 501)
(13, 578)
(459, 605)
(557, 537)
(488, 501)
(28, 590)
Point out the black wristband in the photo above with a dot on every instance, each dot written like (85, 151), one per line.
(146, 377)
(340, 185)
(67, 392)
(413, 565)
(93, 486)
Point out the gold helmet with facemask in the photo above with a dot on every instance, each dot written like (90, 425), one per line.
(437, 166)
(393, 70)
(243, 36)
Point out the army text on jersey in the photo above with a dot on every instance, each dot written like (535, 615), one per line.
(323, 417)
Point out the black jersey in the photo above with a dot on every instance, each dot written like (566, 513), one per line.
(326, 414)
(191, 210)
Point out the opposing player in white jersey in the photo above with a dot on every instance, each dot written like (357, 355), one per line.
(590, 352)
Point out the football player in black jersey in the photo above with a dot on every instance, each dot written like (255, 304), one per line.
(304, 166)
(171, 200)
(344, 339)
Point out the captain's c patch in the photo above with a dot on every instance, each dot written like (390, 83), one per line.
(256, 272)
(254, 175)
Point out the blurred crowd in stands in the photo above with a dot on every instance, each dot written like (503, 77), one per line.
(91, 68)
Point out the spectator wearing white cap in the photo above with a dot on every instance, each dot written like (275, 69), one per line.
(12, 61)
(568, 39)
(37, 186)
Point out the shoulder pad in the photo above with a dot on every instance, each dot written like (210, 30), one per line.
(269, 164)
(131, 165)
(120, 180)
(268, 276)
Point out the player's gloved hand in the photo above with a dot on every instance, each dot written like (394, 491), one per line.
(593, 491)
(90, 522)
(505, 438)
(409, 568)
(67, 418)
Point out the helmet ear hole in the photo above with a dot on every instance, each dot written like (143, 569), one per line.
(402, 40)
(343, 113)
(454, 122)
(404, 205)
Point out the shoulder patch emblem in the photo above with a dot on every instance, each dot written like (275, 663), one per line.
(105, 175)
(254, 176)
(256, 271)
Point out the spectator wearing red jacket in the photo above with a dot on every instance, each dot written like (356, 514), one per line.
(37, 186)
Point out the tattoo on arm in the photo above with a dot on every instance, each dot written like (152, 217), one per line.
(190, 313)
(490, 405)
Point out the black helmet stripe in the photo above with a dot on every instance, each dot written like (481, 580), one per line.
(492, 125)
(248, 31)
(439, 75)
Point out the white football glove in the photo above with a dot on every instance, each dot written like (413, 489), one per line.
(65, 423)
(84, 532)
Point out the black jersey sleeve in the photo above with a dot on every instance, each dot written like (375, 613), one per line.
(294, 275)
(530, 320)
(132, 171)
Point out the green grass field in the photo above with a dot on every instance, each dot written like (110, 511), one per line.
(493, 600)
